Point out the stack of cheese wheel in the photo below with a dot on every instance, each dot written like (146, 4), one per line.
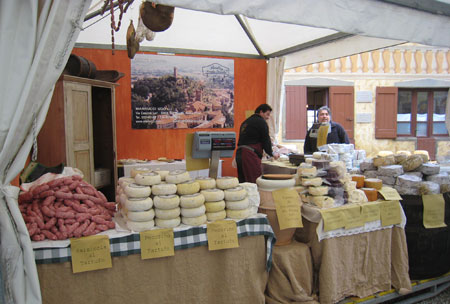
(192, 203)
(371, 187)
(237, 203)
(317, 192)
(137, 207)
(214, 204)
(238, 209)
(206, 182)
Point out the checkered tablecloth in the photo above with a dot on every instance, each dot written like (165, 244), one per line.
(183, 239)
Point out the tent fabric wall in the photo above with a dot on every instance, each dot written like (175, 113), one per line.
(35, 44)
(372, 18)
(275, 70)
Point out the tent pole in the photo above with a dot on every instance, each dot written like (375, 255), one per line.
(250, 35)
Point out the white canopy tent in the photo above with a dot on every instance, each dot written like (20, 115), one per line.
(301, 31)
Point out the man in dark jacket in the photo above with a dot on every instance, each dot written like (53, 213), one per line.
(336, 133)
(253, 139)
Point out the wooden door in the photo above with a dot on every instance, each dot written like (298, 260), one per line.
(341, 103)
(78, 123)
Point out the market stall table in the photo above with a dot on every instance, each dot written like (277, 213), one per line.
(192, 275)
(355, 262)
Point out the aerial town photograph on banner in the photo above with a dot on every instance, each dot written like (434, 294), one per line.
(174, 92)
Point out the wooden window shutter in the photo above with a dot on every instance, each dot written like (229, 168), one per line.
(295, 123)
(342, 108)
(386, 112)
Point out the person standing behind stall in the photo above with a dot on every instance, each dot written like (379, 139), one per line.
(336, 133)
(253, 139)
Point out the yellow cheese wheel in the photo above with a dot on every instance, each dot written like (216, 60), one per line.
(238, 214)
(141, 216)
(166, 201)
(140, 226)
(193, 212)
(206, 182)
(164, 189)
(192, 200)
(194, 221)
(213, 195)
(373, 183)
(135, 171)
(227, 182)
(189, 187)
(215, 216)
(359, 179)
(147, 178)
(371, 194)
(215, 206)
(167, 214)
(172, 223)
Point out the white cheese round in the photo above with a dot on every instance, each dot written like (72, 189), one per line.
(138, 203)
(227, 182)
(177, 176)
(135, 190)
(192, 200)
(135, 171)
(194, 221)
(166, 201)
(189, 187)
(215, 206)
(193, 212)
(167, 214)
(238, 205)
(148, 178)
(206, 182)
(172, 223)
(162, 173)
(141, 216)
(164, 189)
(235, 194)
(213, 195)
(140, 226)
(215, 216)
(238, 214)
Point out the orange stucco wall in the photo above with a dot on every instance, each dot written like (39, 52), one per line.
(250, 91)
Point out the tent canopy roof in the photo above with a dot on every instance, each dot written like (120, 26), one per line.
(303, 31)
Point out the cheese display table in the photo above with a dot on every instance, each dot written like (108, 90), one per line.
(358, 263)
(192, 275)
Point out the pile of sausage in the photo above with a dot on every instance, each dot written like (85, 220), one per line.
(64, 208)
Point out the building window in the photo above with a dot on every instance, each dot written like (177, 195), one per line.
(421, 112)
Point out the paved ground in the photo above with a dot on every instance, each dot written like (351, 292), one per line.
(442, 298)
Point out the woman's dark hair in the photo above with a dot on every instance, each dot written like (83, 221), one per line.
(263, 108)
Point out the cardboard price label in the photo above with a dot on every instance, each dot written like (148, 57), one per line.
(390, 194)
(157, 243)
(390, 213)
(353, 216)
(433, 211)
(287, 205)
(222, 235)
(371, 211)
(333, 218)
(90, 253)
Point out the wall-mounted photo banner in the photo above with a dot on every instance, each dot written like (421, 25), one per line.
(174, 92)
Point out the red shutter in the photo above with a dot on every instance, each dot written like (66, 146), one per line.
(386, 112)
(342, 108)
(295, 123)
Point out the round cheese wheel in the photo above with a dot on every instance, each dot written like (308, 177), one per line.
(270, 185)
(166, 201)
(135, 190)
(138, 203)
(359, 179)
(164, 189)
(238, 214)
(215, 216)
(123, 198)
(167, 214)
(371, 194)
(307, 171)
(193, 212)
(314, 181)
(162, 173)
(189, 187)
(213, 195)
(141, 216)
(177, 176)
(194, 221)
(148, 178)
(215, 206)
(319, 190)
(237, 205)
(172, 223)
(123, 181)
(140, 226)
(235, 194)
(135, 171)
(373, 183)
(192, 200)
(206, 182)
(227, 182)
